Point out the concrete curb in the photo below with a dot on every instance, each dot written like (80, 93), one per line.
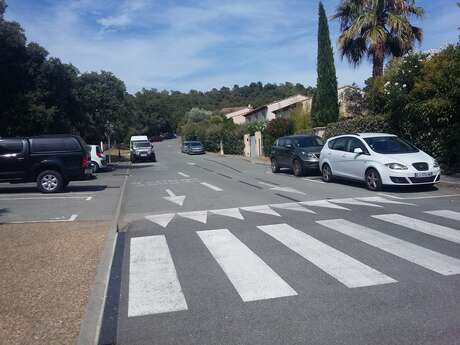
(90, 326)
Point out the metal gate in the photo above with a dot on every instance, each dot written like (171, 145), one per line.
(253, 144)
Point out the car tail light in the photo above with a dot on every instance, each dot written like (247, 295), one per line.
(85, 162)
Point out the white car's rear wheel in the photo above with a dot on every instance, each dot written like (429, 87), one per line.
(327, 173)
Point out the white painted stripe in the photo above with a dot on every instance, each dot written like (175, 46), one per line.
(161, 219)
(190, 163)
(424, 257)
(428, 228)
(252, 278)
(342, 267)
(263, 209)
(445, 214)
(380, 200)
(267, 184)
(210, 186)
(199, 216)
(183, 174)
(47, 198)
(421, 197)
(351, 201)
(293, 206)
(323, 203)
(72, 218)
(154, 287)
(229, 212)
(312, 180)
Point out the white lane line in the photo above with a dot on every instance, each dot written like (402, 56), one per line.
(421, 256)
(445, 214)
(323, 203)
(379, 199)
(161, 219)
(428, 228)
(350, 272)
(72, 218)
(312, 180)
(421, 197)
(154, 287)
(351, 201)
(210, 186)
(183, 174)
(229, 212)
(199, 216)
(266, 184)
(47, 198)
(293, 206)
(252, 278)
(287, 190)
(263, 209)
(190, 163)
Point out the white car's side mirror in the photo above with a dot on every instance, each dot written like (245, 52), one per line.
(358, 151)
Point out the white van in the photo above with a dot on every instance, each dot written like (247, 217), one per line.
(140, 148)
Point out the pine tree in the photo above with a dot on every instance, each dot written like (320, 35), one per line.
(325, 108)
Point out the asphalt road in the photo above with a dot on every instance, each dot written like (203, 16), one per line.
(217, 250)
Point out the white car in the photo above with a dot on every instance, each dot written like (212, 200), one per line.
(378, 159)
(98, 160)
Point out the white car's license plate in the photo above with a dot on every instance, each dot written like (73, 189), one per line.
(424, 174)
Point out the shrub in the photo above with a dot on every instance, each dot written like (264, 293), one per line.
(357, 125)
(275, 128)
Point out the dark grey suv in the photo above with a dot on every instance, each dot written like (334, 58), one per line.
(297, 152)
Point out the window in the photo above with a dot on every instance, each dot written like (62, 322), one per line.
(340, 144)
(288, 141)
(307, 142)
(141, 144)
(354, 143)
(390, 145)
(11, 146)
(55, 144)
(282, 142)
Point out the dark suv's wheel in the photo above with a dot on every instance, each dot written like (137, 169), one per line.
(297, 168)
(275, 166)
(373, 180)
(50, 181)
(326, 173)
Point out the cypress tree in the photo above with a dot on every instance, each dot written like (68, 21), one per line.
(325, 108)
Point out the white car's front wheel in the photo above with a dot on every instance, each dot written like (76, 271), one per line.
(373, 180)
(326, 173)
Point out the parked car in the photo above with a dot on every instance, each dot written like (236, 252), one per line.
(98, 159)
(195, 148)
(185, 146)
(50, 161)
(140, 148)
(297, 152)
(378, 159)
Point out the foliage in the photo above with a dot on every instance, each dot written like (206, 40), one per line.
(275, 128)
(377, 28)
(300, 120)
(357, 125)
(257, 126)
(325, 107)
(355, 102)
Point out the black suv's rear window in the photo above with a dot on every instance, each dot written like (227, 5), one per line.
(10, 146)
(69, 144)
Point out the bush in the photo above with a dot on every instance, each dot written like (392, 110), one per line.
(357, 125)
(275, 128)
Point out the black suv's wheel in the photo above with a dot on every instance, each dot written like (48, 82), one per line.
(297, 168)
(327, 173)
(373, 180)
(275, 166)
(50, 181)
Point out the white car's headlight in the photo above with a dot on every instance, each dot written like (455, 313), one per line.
(396, 166)
(435, 164)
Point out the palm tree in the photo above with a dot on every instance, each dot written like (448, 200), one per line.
(377, 29)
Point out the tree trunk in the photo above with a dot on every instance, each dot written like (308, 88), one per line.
(378, 61)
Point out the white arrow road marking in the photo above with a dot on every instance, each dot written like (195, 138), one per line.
(445, 214)
(428, 228)
(379, 199)
(342, 267)
(252, 278)
(154, 287)
(177, 199)
(161, 219)
(323, 203)
(210, 186)
(183, 174)
(199, 216)
(293, 206)
(351, 201)
(229, 212)
(440, 263)
(264, 209)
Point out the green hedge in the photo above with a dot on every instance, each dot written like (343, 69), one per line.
(357, 125)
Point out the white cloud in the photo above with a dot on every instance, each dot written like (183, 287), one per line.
(116, 21)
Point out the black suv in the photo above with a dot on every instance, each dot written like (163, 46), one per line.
(297, 152)
(51, 161)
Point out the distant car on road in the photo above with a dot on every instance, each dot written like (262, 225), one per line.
(51, 161)
(140, 148)
(297, 152)
(195, 148)
(378, 159)
(98, 159)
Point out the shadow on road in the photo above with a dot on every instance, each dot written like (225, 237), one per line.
(70, 188)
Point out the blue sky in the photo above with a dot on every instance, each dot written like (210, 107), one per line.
(183, 45)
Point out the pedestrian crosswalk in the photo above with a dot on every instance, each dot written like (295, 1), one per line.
(154, 286)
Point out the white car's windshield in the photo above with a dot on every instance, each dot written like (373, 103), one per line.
(390, 145)
(141, 144)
